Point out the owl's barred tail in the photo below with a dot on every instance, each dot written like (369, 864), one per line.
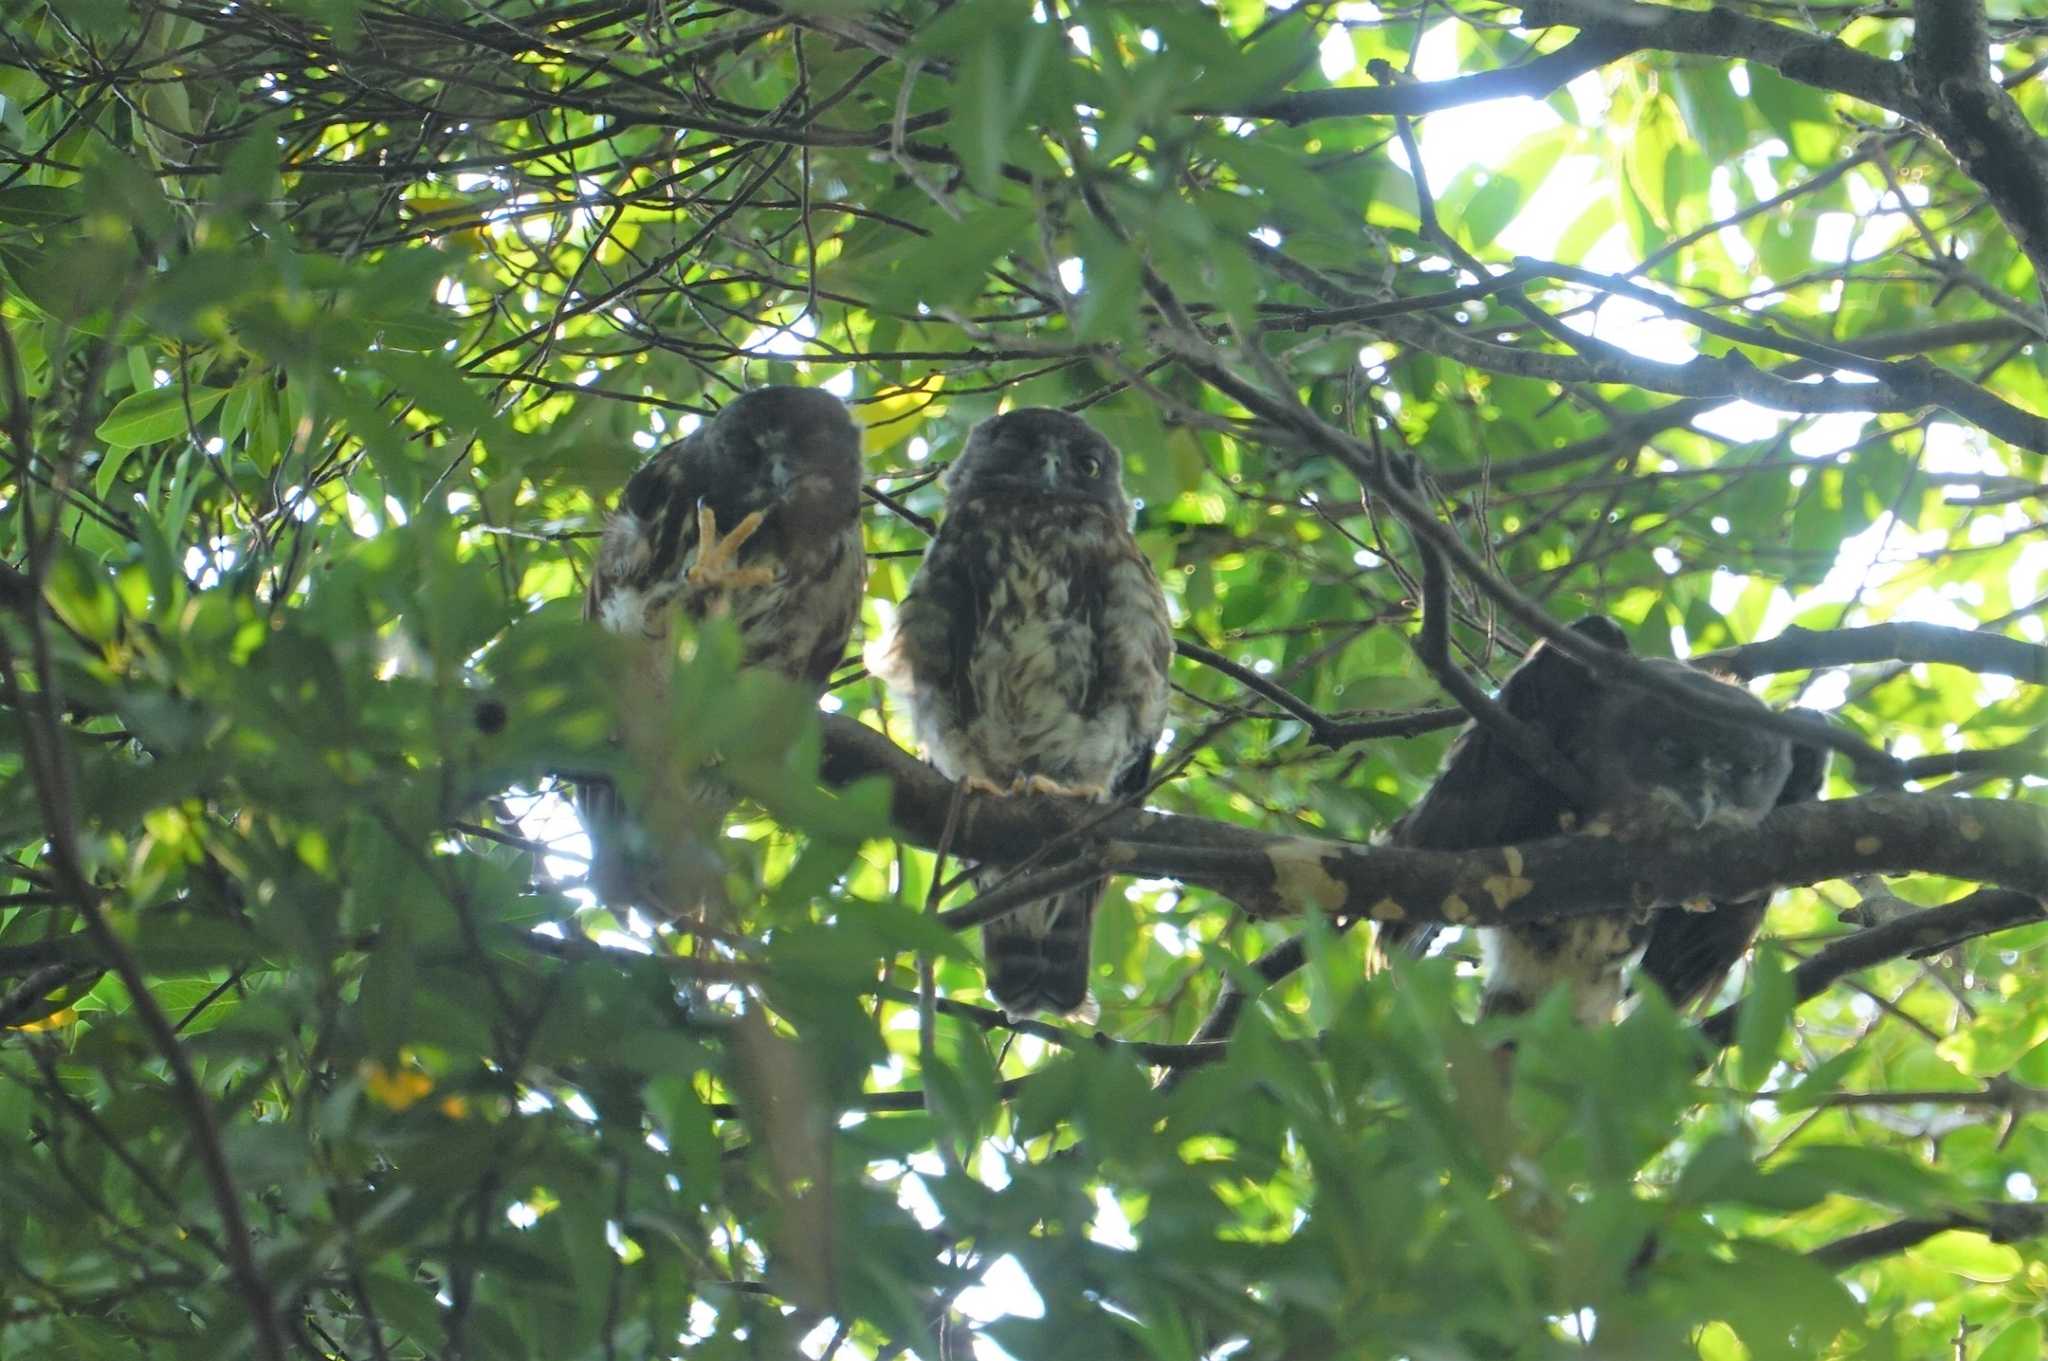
(1038, 955)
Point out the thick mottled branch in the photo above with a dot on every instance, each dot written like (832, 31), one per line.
(1989, 841)
(1798, 649)
(1951, 41)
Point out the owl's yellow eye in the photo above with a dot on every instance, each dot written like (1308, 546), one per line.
(1090, 465)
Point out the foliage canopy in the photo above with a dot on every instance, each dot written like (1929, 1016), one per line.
(331, 327)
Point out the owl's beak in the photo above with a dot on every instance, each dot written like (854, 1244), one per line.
(1700, 804)
(1052, 467)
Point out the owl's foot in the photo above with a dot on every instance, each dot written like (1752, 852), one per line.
(1041, 784)
(1034, 784)
(1702, 904)
(716, 567)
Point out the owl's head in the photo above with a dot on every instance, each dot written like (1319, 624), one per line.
(789, 432)
(1647, 749)
(1039, 452)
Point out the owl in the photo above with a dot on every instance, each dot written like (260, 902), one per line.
(1649, 765)
(754, 516)
(1031, 654)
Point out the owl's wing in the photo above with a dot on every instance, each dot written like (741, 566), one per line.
(1486, 795)
(648, 541)
(1690, 953)
(924, 656)
(1136, 634)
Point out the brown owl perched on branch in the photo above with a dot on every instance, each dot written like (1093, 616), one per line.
(1649, 764)
(754, 516)
(1031, 652)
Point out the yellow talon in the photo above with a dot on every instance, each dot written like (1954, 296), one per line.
(1034, 784)
(1044, 784)
(716, 556)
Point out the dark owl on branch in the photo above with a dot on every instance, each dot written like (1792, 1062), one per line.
(754, 516)
(1649, 764)
(1031, 652)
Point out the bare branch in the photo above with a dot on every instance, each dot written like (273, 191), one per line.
(1921, 933)
(1592, 49)
(2002, 1221)
(1798, 649)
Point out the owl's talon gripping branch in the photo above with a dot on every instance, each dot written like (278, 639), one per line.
(1007, 673)
(1045, 784)
(1036, 784)
(715, 567)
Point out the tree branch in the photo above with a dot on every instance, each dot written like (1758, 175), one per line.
(1979, 124)
(1593, 48)
(1303, 425)
(1799, 649)
(2002, 1221)
(1805, 57)
(1979, 840)
(1920, 933)
(1433, 647)
(1322, 731)
(48, 759)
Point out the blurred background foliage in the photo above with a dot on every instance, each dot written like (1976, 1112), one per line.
(331, 329)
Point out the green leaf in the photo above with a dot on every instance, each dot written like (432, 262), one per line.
(39, 205)
(944, 270)
(1490, 209)
(157, 415)
(77, 588)
(1818, 1084)
(1760, 1022)
(1882, 1175)
(1264, 67)
(2021, 1341)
